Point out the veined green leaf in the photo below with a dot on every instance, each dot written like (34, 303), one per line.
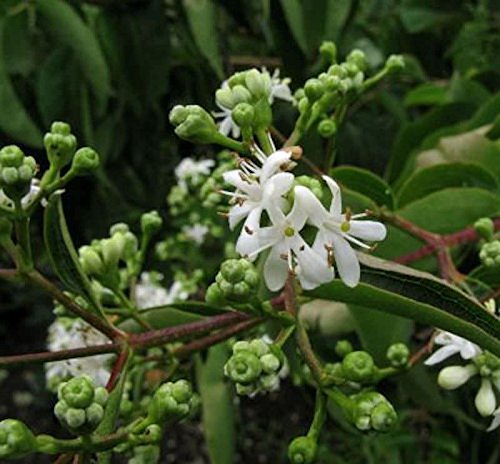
(202, 18)
(416, 295)
(68, 28)
(443, 176)
(61, 251)
(14, 119)
(217, 404)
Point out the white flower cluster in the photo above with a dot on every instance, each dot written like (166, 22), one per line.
(150, 294)
(267, 187)
(190, 171)
(482, 363)
(67, 333)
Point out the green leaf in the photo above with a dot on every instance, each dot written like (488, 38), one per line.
(371, 327)
(61, 251)
(337, 12)
(419, 296)
(217, 403)
(15, 121)
(417, 19)
(19, 45)
(366, 183)
(426, 94)
(442, 212)
(68, 28)
(202, 18)
(488, 275)
(295, 19)
(443, 176)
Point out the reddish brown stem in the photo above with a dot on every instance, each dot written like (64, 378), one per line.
(50, 356)
(215, 338)
(8, 273)
(117, 370)
(64, 458)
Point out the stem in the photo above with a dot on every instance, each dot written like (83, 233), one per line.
(231, 144)
(170, 334)
(131, 309)
(284, 335)
(22, 227)
(264, 140)
(319, 416)
(117, 369)
(50, 356)
(102, 325)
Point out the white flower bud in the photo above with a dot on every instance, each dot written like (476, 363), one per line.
(485, 399)
(455, 376)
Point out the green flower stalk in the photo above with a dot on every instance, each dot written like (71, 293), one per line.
(16, 440)
(16, 172)
(81, 405)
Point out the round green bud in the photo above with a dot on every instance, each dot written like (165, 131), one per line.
(214, 295)
(303, 104)
(383, 417)
(77, 392)
(233, 270)
(302, 450)
(270, 363)
(16, 440)
(172, 400)
(101, 396)
(328, 51)
(241, 94)
(90, 261)
(395, 63)
(182, 391)
(9, 176)
(74, 418)
(60, 144)
(94, 414)
(151, 222)
(259, 347)
(243, 114)
(343, 348)
(358, 58)
(197, 129)
(241, 345)
(178, 114)
(358, 366)
(243, 367)
(225, 98)
(85, 160)
(312, 184)
(259, 84)
(327, 128)
(112, 249)
(59, 127)
(490, 254)
(237, 78)
(11, 156)
(485, 228)
(337, 70)
(398, 354)
(332, 374)
(314, 89)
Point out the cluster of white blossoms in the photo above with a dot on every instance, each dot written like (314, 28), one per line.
(190, 171)
(67, 333)
(150, 294)
(481, 363)
(268, 186)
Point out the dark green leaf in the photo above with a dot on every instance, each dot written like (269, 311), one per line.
(443, 176)
(217, 404)
(295, 19)
(337, 12)
(416, 295)
(366, 183)
(417, 19)
(426, 94)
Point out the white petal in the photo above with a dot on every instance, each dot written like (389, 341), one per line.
(273, 163)
(368, 230)
(297, 217)
(495, 422)
(233, 178)
(336, 205)
(226, 125)
(469, 350)
(316, 212)
(313, 268)
(238, 212)
(485, 400)
(278, 185)
(319, 244)
(281, 91)
(346, 260)
(235, 130)
(275, 269)
(440, 355)
(248, 241)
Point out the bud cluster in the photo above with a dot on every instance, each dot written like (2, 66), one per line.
(490, 254)
(372, 411)
(255, 366)
(16, 172)
(16, 440)
(81, 405)
(194, 124)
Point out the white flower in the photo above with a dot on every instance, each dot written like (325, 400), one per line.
(336, 230)
(452, 344)
(193, 171)
(485, 400)
(257, 190)
(150, 294)
(67, 333)
(279, 87)
(196, 232)
(495, 423)
(452, 377)
(289, 251)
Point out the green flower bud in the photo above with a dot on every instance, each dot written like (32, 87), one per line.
(259, 347)
(178, 114)
(214, 295)
(237, 279)
(241, 94)
(11, 156)
(490, 254)
(270, 363)
(16, 440)
(241, 345)
(372, 410)
(94, 414)
(243, 114)
(74, 418)
(327, 128)
(485, 228)
(302, 450)
(46, 444)
(398, 355)
(452, 377)
(60, 144)
(358, 58)
(16, 172)
(303, 105)
(119, 228)
(337, 70)
(395, 63)
(258, 83)
(358, 366)
(332, 374)
(343, 348)
(485, 399)
(383, 417)
(85, 161)
(90, 261)
(225, 98)
(243, 367)
(112, 249)
(314, 89)
(328, 51)
(194, 124)
(151, 223)
(77, 392)
(171, 401)
(101, 396)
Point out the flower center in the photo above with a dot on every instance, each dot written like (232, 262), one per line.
(289, 231)
(345, 226)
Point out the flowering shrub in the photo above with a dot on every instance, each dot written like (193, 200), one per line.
(296, 236)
